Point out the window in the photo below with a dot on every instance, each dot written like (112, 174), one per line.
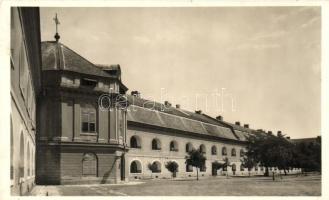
(135, 142)
(256, 168)
(156, 167)
(241, 167)
(173, 146)
(21, 156)
(188, 147)
(23, 71)
(135, 167)
(89, 164)
(233, 152)
(203, 167)
(88, 119)
(241, 153)
(224, 151)
(202, 148)
(214, 150)
(28, 159)
(88, 82)
(189, 168)
(156, 144)
(224, 168)
(261, 168)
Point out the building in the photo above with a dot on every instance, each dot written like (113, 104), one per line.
(78, 141)
(25, 77)
(81, 141)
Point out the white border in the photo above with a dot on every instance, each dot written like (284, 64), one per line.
(5, 74)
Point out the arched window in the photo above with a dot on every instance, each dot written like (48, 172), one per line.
(214, 150)
(28, 159)
(189, 168)
(233, 152)
(188, 147)
(156, 144)
(241, 167)
(135, 167)
(224, 151)
(157, 167)
(135, 142)
(21, 156)
(241, 153)
(89, 164)
(202, 148)
(233, 167)
(173, 146)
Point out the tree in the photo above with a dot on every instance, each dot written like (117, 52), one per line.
(172, 166)
(196, 159)
(152, 167)
(269, 151)
(248, 162)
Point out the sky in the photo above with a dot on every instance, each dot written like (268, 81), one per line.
(257, 65)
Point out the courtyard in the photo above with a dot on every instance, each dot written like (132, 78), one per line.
(292, 185)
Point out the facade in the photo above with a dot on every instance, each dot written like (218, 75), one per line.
(81, 142)
(78, 141)
(25, 87)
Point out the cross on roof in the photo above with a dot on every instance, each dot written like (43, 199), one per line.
(56, 24)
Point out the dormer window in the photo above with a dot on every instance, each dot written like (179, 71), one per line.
(86, 82)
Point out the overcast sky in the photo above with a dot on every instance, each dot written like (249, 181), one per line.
(264, 60)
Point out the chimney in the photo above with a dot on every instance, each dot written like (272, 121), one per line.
(219, 118)
(198, 111)
(178, 106)
(288, 137)
(167, 103)
(270, 132)
(246, 125)
(237, 123)
(135, 93)
(279, 133)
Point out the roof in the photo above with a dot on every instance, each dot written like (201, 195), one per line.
(305, 140)
(57, 56)
(161, 115)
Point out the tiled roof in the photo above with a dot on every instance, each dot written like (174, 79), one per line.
(57, 56)
(157, 114)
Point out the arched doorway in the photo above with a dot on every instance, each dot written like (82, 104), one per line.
(89, 164)
(233, 168)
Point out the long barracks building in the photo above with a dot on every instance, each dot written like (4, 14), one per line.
(79, 142)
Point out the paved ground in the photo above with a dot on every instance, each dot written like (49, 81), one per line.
(219, 186)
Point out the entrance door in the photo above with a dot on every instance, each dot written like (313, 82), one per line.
(122, 167)
(213, 169)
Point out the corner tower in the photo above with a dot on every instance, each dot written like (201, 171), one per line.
(79, 141)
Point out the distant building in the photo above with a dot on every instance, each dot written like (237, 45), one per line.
(25, 75)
